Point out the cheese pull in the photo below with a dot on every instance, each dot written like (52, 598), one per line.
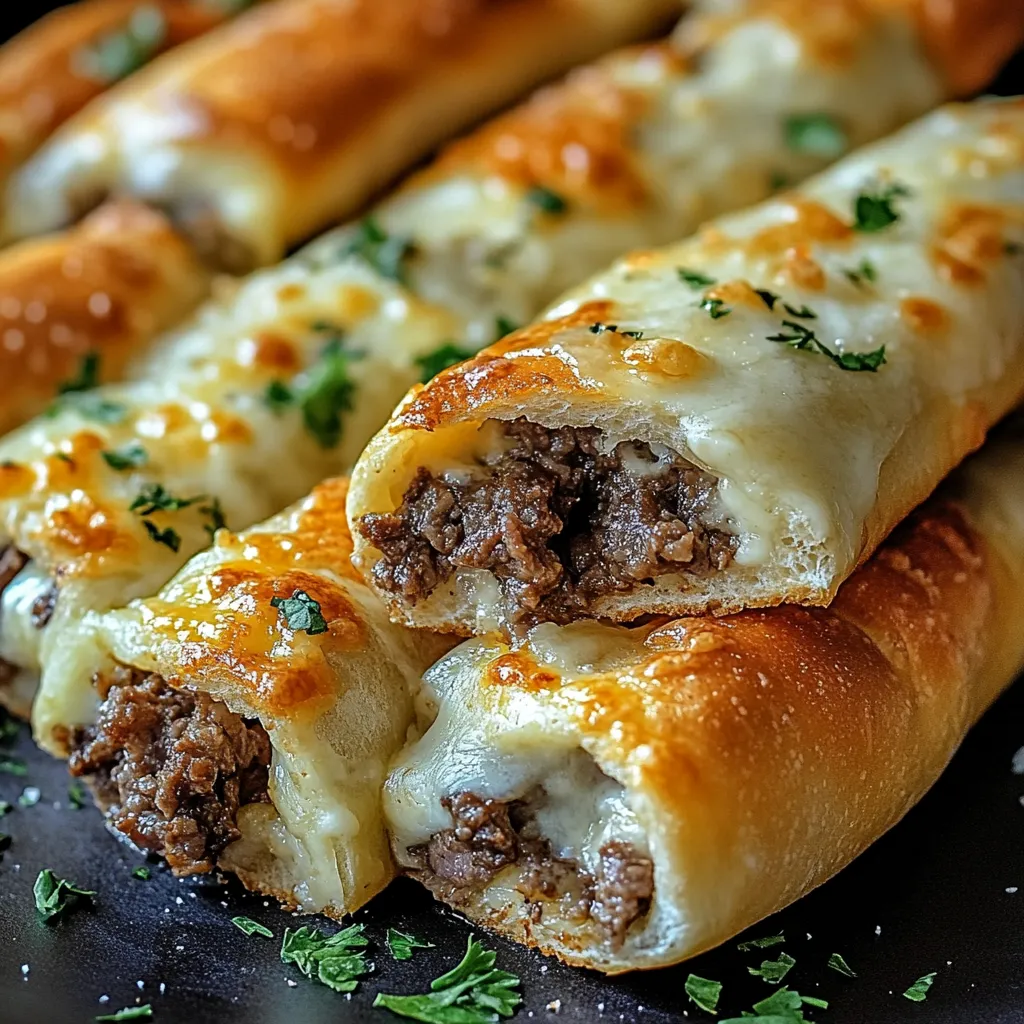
(627, 797)
(57, 65)
(286, 691)
(296, 113)
(736, 420)
(79, 307)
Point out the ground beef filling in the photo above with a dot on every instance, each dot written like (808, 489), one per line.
(558, 522)
(489, 835)
(171, 768)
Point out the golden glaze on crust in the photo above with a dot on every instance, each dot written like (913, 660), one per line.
(103, 288)
(42, 80)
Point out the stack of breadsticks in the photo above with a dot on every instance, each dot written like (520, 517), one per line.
(639, 617)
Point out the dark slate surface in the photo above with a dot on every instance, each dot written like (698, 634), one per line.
(944, 891)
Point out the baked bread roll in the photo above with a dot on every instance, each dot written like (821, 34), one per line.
(52, 69)
(78, 306)
(737, 420)
(283, 725)
(295, 114)
(627, 797)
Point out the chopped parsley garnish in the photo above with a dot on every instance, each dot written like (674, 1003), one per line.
(766, 943)
(88, 376)
(90, 407)
(918, 992)
(801, 337)
(337, 961)
(694, 278)
(875, 211)
(278, 396)
(142, 873)
(383, 252)
(117, 54)
(56, 895)
(301, 613)
(837, 963)
(864, 272)
(715, 308)
(474, 992)
(144, 1012)
(600, 328)
(328, 393)
(8, 728)
(803, 313)
(216, 515)
(767, 297)
(782, 1007)
(816, 135)
(169, 537)
(131, 456)
(773, 971)
(13, 766)
(77, 796)
(703, 992)
(30, 796)
(440, 359)
(251, 927)
(546, 200)
(156, 498)
(5, 807)
(402, 944)
(503, 325)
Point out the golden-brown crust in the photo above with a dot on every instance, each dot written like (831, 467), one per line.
(104, 287)
(42, 81)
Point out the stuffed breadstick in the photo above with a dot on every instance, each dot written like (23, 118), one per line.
(52, 69)
(243, 719)
(627, 797)
(295, 114)
(78, 306)
(737, 420)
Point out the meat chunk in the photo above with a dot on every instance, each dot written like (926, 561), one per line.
(478, 847)
(171, 768)
(559, 522)
(622, 889)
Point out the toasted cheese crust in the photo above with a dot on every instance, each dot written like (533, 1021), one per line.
(750, 756)
(101, 290)
(296, 114)
(726, 350)
(53, 69)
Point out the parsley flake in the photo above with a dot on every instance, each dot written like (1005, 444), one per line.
(715, 308)
(782, 1007)
(402, 944)
(600, 328)
(115, 55)
(918, 992)
(156, 498)
(131, 456)
(800, 337)
(448, 354)
(383, 252)
(864, 273)
(337, 961)
(703, 992)
(56, 895)
(144, 1012)
(773, 971)
(803, 313)
(875, 211)
(216, 516)
(278, 396)
(8, 727)
(816, 135)
(13, 766)
(837, 963)
(251, 927)
(767, 297)
(474, 992)
(77, 796)
(545, 200)
(142, 873)
(170, 538)
(766, 943)
(328, 393)
(301, 613)
(694, 278)
(90, 407)
(5, 808)
(88, 376)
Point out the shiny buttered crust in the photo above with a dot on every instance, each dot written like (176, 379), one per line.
(816, 463)
(760, 752)
(298, 112)
(48, 72)
(102, 289)
(337, 705)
